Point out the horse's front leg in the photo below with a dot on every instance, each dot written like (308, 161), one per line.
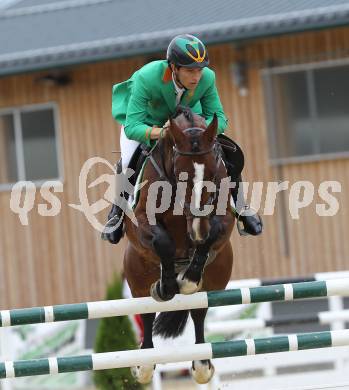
(202, 370)
(190, 280)
(163, 245)
(157, 239)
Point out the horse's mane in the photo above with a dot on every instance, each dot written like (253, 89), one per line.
(186, 111)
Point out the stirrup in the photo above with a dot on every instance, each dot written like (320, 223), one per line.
(111, 229)
(239, 223)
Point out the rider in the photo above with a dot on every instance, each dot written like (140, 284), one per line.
(143, 104)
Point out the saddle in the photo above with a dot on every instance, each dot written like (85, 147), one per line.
(137, 161)
(137, 164)
(232, 155)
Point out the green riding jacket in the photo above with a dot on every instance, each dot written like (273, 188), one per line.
(148, 99)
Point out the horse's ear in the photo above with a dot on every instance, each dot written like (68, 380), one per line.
(211, 131)
(176, 132)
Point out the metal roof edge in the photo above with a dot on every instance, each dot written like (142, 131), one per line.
(56, 6)
(245, 26)
(114, 48)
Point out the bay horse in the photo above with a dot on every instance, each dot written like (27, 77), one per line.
(180, 252)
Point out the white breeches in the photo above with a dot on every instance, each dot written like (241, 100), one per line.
(127, 147)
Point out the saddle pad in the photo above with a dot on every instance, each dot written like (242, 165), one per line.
(135, 197)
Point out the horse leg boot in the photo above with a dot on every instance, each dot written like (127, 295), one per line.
(144, 374)
(163, 245)
(202, 370)
(190, 280)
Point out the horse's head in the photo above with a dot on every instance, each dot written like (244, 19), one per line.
(196, 161)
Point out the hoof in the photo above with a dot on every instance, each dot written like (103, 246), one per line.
(157, 292)
(202, 372)
(143, 374)
(187, 286)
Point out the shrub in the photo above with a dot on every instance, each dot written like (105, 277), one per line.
(115, 334)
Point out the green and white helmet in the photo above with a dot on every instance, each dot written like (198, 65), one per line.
(187, 51)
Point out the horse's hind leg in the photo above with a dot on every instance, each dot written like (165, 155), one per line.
(202, 370)
(144, 374)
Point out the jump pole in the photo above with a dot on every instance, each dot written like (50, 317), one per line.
(120, 307)
(102, 361)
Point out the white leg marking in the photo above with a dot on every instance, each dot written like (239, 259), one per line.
(196, 229)
(198, 179)
(187, 286)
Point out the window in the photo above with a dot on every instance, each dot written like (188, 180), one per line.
(28, 145)
(308, 112)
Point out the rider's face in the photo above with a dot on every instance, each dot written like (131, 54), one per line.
(189, 77)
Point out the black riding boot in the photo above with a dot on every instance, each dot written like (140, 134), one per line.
(234, 162)
(113, 230)
(252, 222)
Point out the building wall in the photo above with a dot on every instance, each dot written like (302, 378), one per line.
(62, 259)
(315, 244)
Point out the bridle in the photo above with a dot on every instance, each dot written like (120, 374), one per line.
(216, 148)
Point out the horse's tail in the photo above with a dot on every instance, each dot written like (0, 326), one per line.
(171, 323)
